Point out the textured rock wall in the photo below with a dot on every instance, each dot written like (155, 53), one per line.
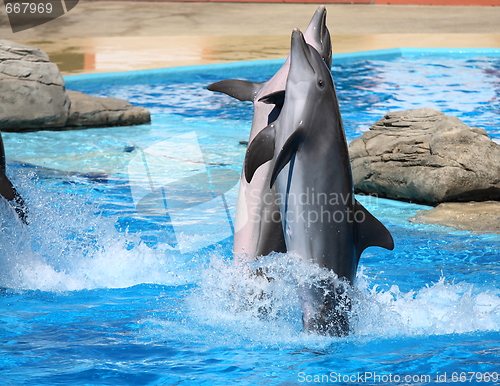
(89, 111)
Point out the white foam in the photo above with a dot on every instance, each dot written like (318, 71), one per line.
(439, 308)
(68, 247)
(232, 298)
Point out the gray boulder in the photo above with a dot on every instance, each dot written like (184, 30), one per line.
(89, 111)
(33, 97)
(32, 94)
(425, 156)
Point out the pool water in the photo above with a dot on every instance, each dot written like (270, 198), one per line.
(124, 275)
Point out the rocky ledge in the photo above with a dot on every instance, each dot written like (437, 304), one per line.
(89, 111)
(479, 217)
(427, 157)
(33, 96)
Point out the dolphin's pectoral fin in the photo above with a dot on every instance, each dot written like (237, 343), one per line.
(260, 150)
(274, 114)
(276, 98)
(369, 231)
(287, 152)
(239, 89)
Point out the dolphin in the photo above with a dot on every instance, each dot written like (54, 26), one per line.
(322, 221)
(258, 231)
(8, 191)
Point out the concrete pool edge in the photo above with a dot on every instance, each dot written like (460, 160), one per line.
(232, 69)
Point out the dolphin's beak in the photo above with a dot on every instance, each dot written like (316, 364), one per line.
(317, 26)
(299, 53)
(318, 36)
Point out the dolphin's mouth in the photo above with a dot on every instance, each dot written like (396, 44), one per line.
(322, 25)
(319, 22)
(318, 36)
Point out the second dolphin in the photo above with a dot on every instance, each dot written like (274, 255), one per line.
(257, 230)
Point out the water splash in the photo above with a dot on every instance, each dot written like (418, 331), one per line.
(68, 245)
(268, 311)
(438, 308)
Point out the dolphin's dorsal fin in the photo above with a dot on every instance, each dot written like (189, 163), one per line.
(370, 232)
(287, 152)
(276, 98)
(239, 89)
(260, 150)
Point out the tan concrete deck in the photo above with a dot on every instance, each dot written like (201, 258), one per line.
(117, 36)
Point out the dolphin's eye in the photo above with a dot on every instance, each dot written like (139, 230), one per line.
(321, 84)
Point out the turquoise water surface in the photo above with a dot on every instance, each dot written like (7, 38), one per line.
(124, 275)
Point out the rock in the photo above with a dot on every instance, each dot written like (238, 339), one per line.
(89, 111)
(480, 217)
(425, 156)
(33, 97)
(32, 94)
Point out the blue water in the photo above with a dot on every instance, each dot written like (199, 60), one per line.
(118, 282)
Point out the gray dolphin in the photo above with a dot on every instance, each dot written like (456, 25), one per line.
(323, 223)
(256, 232)
(8, 191)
